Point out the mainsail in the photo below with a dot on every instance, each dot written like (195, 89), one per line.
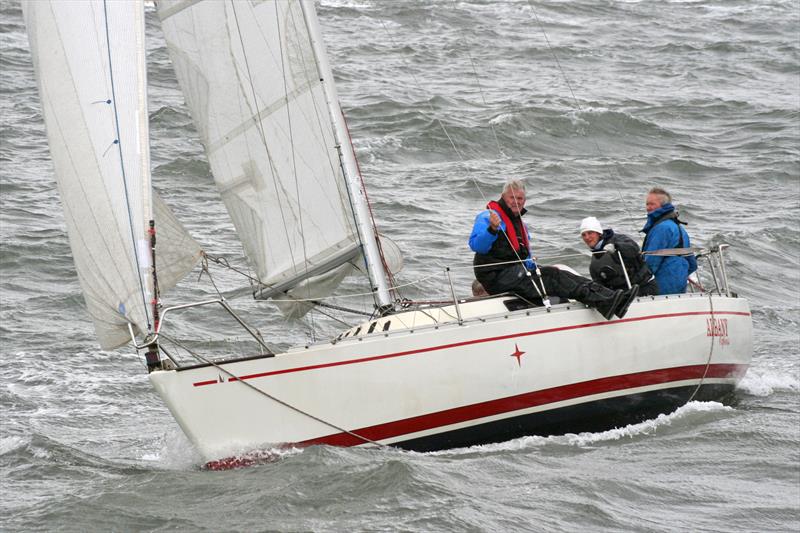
(251, 80)
(90, 64)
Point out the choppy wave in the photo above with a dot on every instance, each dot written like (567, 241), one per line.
(698, 96)
(765, 382)
(691, 413)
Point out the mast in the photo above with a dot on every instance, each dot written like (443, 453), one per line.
(377, 274)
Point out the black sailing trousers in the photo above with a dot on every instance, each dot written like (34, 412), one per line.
(556, 283)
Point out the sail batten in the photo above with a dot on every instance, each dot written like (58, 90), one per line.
(263, 114)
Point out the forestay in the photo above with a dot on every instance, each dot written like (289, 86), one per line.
(250, 79)
(90, 66)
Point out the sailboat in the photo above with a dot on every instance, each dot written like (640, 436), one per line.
(469, 370)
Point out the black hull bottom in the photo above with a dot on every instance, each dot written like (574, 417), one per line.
(599, 415)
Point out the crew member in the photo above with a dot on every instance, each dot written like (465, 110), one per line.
(503, 261)
(664, 230)
(605, 267)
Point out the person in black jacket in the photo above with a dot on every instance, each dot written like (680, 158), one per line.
(606, 267)
(503, 260)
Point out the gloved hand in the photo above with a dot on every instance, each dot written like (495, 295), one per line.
(610, 248)
(529, 264)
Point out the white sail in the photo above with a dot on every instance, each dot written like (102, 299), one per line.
(250, 79)
(176, 251)
(89, 58)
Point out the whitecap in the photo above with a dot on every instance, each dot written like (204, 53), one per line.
(175, 453)
(642, 428)
(502, 118)
(10, 444)
(765, 383)
(580, 440)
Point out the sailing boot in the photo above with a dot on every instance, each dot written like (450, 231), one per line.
(601, 298)
(608, 305)
(566, 285)
(627, 299)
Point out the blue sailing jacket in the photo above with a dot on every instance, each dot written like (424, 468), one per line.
(662, 231)
(481, 239)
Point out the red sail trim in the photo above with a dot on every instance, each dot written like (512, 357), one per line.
(511, 231)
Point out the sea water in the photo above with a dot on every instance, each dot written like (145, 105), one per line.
(592, 103)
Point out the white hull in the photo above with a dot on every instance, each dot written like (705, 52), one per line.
(437, 386)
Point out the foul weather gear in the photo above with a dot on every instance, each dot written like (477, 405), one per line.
(606, 269)
(664, 230)
(500, 247)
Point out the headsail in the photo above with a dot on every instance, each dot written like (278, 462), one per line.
(176, 250)
(251, 81)
(90, 65)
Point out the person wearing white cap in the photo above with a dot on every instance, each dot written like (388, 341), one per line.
(606, 267)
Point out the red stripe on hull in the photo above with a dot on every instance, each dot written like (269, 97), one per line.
(467, 343)
(528, 400)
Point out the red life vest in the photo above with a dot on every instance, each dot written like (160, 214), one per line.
(510, 229)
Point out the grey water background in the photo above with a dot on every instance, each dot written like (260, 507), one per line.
(701, 97)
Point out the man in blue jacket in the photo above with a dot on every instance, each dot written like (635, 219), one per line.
(503, 261)
(664, 230)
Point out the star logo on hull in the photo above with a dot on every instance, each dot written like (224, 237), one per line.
(518, 354)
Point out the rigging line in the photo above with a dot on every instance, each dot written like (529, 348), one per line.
(224, 264)
(317, 113)
(122, 168)
(262, 392)
(179, 344)
(294, 158)
(386, 269)
(352, 205)
(463, 161)
(430, 105)
(260, 127)
(221, 261)
(294, 94)
(322, 77)
(710, 351)
(329, 315)
(250, 329)
(338, 184)
(204, 269)
(616, 177)
(341, 308)
(358, 295)
(317, 301)
(480, 90)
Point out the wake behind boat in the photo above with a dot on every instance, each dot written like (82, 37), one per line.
(422, 377)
